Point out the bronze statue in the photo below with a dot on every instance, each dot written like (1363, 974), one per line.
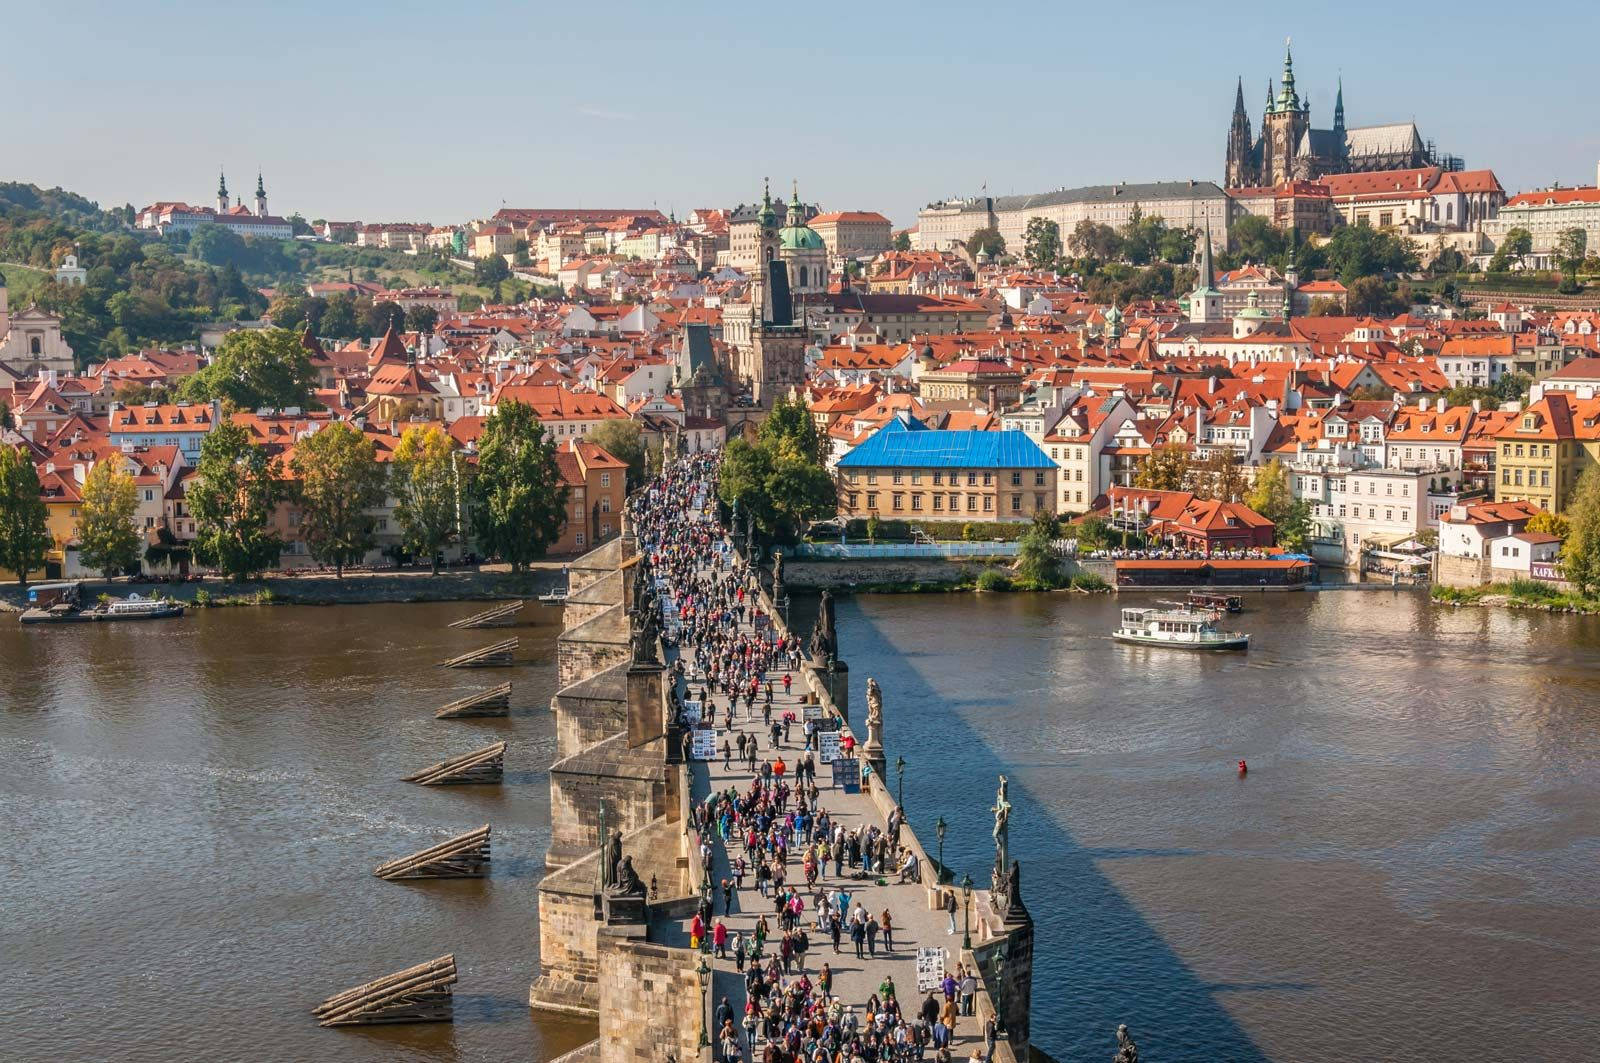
(824, 645)
(1002, 826)
(613, 858)
(628, 883)
(1127, 1051)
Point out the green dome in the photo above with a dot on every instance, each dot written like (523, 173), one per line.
(800, 238)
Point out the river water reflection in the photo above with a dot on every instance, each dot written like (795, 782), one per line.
(1407, 871)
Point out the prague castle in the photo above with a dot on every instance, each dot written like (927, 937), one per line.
(1288, 149)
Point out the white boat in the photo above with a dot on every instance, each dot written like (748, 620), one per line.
(557, 595)
(1182, 629)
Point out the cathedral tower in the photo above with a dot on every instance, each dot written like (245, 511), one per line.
(1282, 128)
(1242, 168)
(222, 192)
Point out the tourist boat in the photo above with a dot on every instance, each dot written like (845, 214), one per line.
(1229, 603)
(1183, 629)
(63, 608)
(557, 595)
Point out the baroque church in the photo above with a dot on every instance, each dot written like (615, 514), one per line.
(1288, 149)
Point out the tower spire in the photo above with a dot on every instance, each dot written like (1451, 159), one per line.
(222, 191)
(1238, 100)
(1208, 276)
(1288, 99)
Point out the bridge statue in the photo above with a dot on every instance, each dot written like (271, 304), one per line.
(824, 643)
(874, 715)
(1127, 1051)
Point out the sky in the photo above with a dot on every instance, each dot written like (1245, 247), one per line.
(444, 112)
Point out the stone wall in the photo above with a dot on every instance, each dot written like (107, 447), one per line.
(569, 972)
(803, 575)
(593, 646)
(652, 1000)
(1460, 571)
(630, 781)
(591, 710)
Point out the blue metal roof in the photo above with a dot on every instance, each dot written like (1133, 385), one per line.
(893, 445)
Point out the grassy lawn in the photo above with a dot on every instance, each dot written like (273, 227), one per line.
(21, 282)
(1522, 594)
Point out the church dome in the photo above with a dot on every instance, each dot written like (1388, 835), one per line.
(800, 238)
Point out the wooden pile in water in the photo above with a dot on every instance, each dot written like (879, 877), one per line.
(500, 616)
(464, 856)
(499, 655)
(416, 994)
(486, 765)
(495, 701)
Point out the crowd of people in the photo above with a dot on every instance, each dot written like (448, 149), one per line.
(811, 871)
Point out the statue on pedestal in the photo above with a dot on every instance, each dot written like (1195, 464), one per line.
(823, 641)
(611, 860)
(627, 883)
(874, 715)
(1002, 827)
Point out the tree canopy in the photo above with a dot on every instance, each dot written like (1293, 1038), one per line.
(520, 503)
(25, 539)
(780, 479)
(232, 494)
(622, 439)
(338, 481)
(426, 483)
(107, 537)
(1041, 243)
(254, 368)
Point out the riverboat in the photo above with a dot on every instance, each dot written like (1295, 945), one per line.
(61, 604)
(557, 595)
(1229, 603)
(1182, 629)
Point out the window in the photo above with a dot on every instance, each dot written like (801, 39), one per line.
(605, 503)
(972, 503)
(988, 479)
(898, 501)
(605, 479)
(1038, 478)
(33, 346)
(872, 500)
(972, 479)
(1544, 477)
(938, 503)
(1016, 478)
(149, 495)
(899, 477)
(850, 500)
(605, 528)
(579, 539)
(938, 477)
(988, 503)
(916, 502)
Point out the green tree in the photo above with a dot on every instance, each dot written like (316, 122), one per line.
(623, 441)
(232, 495)
(1037, 567)
(1093, 240)
(1166, 468)
(1092, 533)
(1255, 239)
(255, 368)
(986, 240)
(421, 319)
(1041, 243)
(338, 481)
(107, 537)
(791, 428)
(780, 479)
(1371, 296)
(1580, 554)
(381, 317)
(1356, 251)
(24, 521)
(425, 481)
(339, 319)
(1295, 527)
(1571, 244)
(490, 270)
(520, 501)
(1270, 495)
(902, 241)
(1516, 243)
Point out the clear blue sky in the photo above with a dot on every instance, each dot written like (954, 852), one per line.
(442, 111)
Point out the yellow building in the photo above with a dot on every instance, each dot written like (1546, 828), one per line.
(1541, 452)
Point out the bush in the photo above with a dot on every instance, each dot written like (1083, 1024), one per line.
(1088, 581)
(1532, 588)
(202, 598)
(992, 579)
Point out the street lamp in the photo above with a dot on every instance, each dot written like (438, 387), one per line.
(900, 777)
(939, 829)
(704, 971)
(966, 913)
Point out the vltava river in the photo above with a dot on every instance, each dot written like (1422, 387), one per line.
(192, 810)
(1407, 872)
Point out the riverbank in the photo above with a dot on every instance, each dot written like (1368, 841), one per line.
(490, 583)
(1519, 594)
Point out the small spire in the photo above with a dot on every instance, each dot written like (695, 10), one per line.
(222, 183)
(261, 188)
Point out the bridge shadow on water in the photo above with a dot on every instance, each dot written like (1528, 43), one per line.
(1098, 961)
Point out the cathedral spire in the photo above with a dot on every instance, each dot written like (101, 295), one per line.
(1288, 99)
(1238, 101)
(1338, 108)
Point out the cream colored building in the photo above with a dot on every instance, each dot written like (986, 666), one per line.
(31, 343)
(1201, 205)
(854, 232)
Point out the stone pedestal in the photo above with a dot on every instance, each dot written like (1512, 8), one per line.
(617, 910)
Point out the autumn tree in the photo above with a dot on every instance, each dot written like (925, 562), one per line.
(1580, 554)
(338, 483)
(1166, 468)
(622, 439)
(426, 483)
(1219, 476)
(108, 540)
(232, 496)
(520, 503)
(24, 521)
(1546, 523)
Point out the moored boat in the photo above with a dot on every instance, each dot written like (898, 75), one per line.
(1230, 603)
(63, 607)
(1182, 629)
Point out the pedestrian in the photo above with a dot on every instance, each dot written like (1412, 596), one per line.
(950, 910)
(727, 897)
(887, 925)
(858, 934)
(719, 939)
(736, 946)
(969, 991)
(872, 936)
(786, 682)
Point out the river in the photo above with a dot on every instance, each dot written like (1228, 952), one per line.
(1405, 873)
(193, 809)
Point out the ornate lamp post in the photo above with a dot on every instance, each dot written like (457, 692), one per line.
(939, 829)
(704, 971)
(966, 913)
(900, 781)
(999, 993)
